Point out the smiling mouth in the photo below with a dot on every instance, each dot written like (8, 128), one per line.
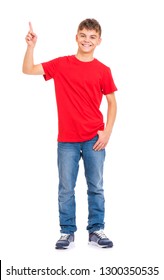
(86, 45)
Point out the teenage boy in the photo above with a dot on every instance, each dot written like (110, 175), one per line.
(80, 82)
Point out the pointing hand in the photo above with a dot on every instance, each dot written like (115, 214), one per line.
(31, 37)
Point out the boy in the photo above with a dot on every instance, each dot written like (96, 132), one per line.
(80, 81)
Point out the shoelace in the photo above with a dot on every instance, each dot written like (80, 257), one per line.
(64, 237)
(101, 234)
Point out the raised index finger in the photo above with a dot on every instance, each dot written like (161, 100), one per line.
(30, 26)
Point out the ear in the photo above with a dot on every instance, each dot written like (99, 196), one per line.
(76, 38)
(99, 41)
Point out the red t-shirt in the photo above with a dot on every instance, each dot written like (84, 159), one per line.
(79, 87)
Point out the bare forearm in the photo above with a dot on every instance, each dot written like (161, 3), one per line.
(111, 116)
(28, 61)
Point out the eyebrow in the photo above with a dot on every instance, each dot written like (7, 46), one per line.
(93, 35)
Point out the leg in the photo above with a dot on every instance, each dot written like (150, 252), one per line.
(68, 166)
(93, 164)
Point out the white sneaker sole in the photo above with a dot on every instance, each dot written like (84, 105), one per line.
(70, 246)
(97, 245)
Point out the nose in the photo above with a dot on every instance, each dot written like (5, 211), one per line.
(86, 39)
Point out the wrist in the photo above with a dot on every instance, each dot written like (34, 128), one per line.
(30, 47)
(108, 130)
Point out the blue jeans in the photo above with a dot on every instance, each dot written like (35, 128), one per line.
(69, 155)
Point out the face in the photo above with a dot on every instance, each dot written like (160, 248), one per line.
(87, 40)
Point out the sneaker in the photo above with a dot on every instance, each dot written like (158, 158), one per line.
(64, 241)
(99, 239)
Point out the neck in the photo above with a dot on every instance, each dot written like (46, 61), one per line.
(84, 57)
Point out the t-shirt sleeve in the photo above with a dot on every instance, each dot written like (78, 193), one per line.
(50, 69)
(108, 85)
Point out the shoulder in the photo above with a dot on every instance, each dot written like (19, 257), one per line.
(66, 58)
(105, 69)
(61, 59)
(101, 64)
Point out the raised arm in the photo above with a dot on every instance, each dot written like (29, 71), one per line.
(28, 63)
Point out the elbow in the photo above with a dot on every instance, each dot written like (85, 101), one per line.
(25, 70)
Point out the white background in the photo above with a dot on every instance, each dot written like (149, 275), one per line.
(132, 45)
